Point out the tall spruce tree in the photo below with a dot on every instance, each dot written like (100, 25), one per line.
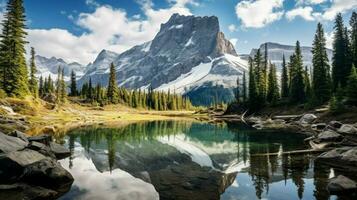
(351, 92)
(63, 91)
(321, 87)
(112, 91)
(12, 50)
(41, 89)
(58, 84)
(73, 89)
(33, 84)
(237, 92)
(273, 88)
(297, 87)
(341, 66)
(353, 38)
(260, 77)
(244, 90)
(253, 91)
(284, 80)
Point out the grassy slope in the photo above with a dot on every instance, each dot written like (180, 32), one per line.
(40, 115)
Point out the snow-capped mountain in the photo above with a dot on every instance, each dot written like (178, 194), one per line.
(276, 52)
(189, 55)
(49, 66)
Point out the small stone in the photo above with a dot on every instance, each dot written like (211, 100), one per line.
(335, 124)
(44, 139)
(341, 184)
(318, 126)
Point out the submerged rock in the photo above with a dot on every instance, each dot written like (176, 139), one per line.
(341, 184)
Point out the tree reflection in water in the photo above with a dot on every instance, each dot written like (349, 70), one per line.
(186, 160)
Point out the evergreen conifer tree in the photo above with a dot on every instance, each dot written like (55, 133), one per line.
(353, 38)
(12, 50)
(253, 94)
(244, 90)
(341, 65)
(73, 90)
(112, 91)
(321, 69)
(33, 84)
(351, 90)
(297, 88)
(41, 89)
(63, 91)
(273, 88)
(284, 80)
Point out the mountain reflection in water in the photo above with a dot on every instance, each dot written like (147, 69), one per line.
(189, 160)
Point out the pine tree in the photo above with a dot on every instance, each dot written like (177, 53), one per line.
(12, 50)
(244, 88)
(63, 91)
(41, 89)
(260, 78)
(253, 94)
(297, 88)
(341, 65)
(58, 85)
(237, 91)
(112, 91)
(33, 84)
(284, 80)
(351, 91)
(90, 90)
(353, 38)
(273, 88)
(73, 91)
(321, 69)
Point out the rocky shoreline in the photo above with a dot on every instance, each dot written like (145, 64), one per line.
(337, 142)
(29, 169)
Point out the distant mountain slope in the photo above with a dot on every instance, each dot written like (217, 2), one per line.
(276, 52)
(189, 54)
(49, 66)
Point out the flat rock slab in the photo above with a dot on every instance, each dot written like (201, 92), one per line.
(329, 136)
(25, 157)
(9, 144)
(44, 139)
(347, 129)
(59, 151)
(341, 184)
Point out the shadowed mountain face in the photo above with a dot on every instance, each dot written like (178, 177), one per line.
(184, 160)
(187, 54)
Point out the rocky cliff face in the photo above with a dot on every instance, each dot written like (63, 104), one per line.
(189, 53)
(276, 52)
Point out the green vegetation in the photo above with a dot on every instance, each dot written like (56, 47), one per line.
(298, 86)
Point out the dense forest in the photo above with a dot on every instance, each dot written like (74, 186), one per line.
(313, 87)
(18, 80)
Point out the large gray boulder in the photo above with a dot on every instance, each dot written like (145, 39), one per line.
(48, 173)
(307, 119)
(26, 192)
(20, 135)
(347, 129)
(10, 144)
(343, 158)
(329, 136)
(341, 184)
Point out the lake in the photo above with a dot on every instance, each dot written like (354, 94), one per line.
(190, 160)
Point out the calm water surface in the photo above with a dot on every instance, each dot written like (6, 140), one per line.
(186, 160)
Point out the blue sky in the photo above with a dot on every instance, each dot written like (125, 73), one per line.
(77, 30)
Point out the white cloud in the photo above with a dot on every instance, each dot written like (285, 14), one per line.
(92, 3)
(303, 12)
(310, 2)
(234, 41)
(259, 13)
(336, 7)
(232, 28)
(107, 28)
